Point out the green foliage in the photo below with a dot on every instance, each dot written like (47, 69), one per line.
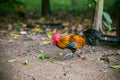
(96, 0)
(107, 20)
(31, 5)
(67, 5)
(56, 5)
(108, 4)
(8, 5)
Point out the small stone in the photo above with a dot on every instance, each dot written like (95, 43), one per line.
(41, 51)
(10, 40)
(23, 32)
(61, 54)
(57, 76)
(30, 74)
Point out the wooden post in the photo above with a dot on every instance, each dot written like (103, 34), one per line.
(97, 22)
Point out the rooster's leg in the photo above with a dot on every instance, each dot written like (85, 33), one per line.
(78, 53)
(70, 55)
(73, 55)
(73, 51)
(92, 49)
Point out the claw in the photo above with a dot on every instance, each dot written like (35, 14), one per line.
(78, 53)
(69, 56)
(72, 55)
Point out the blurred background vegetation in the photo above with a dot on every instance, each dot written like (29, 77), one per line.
(75, 6)
(85, 9)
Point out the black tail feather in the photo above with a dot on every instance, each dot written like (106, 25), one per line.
(92, 36)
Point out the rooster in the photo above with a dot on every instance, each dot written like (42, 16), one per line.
(72, 42)
(75, 42)
(91, 36)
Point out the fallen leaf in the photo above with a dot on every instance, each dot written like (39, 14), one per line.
(25, 63)
(4, 32)
(43, 56)
(23, 25)
(11, 60)
(118, 52)
(49, 34)
(42, 19)
(29, 37)
(65, 24)
(45, 42)
(116, 66)
(36, 29)
(105, 58)
(14, 35)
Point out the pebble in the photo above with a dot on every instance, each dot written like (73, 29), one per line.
(23, 32)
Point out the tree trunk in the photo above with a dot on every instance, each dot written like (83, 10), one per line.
(46, 7)
(97, 22)
(118, 18)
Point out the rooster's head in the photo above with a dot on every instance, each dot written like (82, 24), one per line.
(55, 38)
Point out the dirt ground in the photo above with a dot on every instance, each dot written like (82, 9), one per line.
(16, 51)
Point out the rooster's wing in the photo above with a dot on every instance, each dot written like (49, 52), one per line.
(63, 42)
(78, 40)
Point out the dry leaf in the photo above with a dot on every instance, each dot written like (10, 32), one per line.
(37, 29)
(12, 60)
(105, 58)
(118, 52)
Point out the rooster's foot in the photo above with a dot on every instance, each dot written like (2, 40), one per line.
(78, 53)
(68, 56)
